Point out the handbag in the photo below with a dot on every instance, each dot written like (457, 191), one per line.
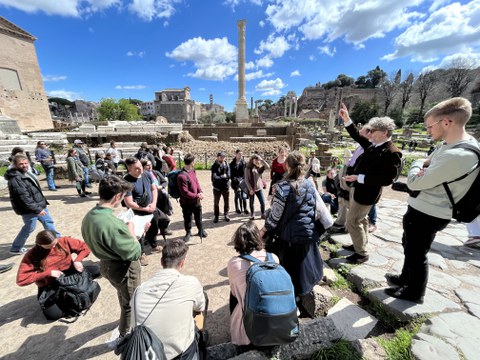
(243, 186)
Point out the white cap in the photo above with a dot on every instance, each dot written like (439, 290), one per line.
(78, 141)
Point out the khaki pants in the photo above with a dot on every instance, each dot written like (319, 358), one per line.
(357, 224)
(343, 205)
(124, 277)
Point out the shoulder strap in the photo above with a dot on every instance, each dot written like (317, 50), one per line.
(249, 257)
(445, 184)
(150, 313)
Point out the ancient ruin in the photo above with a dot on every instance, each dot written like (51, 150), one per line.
(241, 106)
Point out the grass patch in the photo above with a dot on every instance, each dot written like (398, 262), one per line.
(341, 282)
(335, 299)
(340, 350)
(384, 316)
(398, 346)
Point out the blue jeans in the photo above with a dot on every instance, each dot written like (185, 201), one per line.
(261, 199)
(30, 222)
(87, 178)
(49, 174)
(372, 215)
(327, 199)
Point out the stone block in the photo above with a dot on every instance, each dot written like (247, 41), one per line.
(369, 349)
(407, 310)
(427, 347)
(460, 330)
(317, 302)
(351, 320)
(366, 277)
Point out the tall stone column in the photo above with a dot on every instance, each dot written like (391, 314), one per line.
(295, 112)
(241, 106)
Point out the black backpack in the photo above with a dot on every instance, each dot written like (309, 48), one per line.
(76, 293)
(173, 189)
(468, 207)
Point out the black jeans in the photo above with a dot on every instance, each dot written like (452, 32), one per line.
(188, 210)
(216, 201)
(240, 200)
(419, 230)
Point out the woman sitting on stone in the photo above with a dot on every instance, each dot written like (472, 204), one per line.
(50, 258)
(246, 241)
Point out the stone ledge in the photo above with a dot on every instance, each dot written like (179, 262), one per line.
(315, 334)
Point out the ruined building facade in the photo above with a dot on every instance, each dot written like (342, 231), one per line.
(22, 95)
(176, 106)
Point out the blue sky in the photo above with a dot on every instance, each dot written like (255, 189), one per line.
(93, 49)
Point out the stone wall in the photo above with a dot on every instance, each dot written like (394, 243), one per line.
(29, 105)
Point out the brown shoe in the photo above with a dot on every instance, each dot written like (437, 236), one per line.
(357, 258)
(143, 260)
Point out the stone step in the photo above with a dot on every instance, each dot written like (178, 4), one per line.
(351, 320)
(315, 334)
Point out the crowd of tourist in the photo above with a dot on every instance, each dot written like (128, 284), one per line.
(299, 211)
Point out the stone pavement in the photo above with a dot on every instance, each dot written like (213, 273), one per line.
(452, 301)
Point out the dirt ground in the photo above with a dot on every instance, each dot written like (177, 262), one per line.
(27, 335)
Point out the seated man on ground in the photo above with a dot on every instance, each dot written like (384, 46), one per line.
(180, 296)
(330, 191)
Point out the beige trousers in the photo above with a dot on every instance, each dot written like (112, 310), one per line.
(357, 224)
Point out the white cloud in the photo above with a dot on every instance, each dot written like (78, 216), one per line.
(153, 9)
(295, 73)
(428, 69)
(130, 87)
(468, 58)
(254, 75)
(140, 54)
(234, 3)
(312, 58)
(71, 8)
(54, 78)
(274, 47)
(437, 4)
(202, 89)
(214, 59)
(449, 30)
(249, 65)
(230, 93)
(265, 62)
(327, 50)
(270, 87)
(92, 30)
(349, 19)
(261, 23)
(65, 94)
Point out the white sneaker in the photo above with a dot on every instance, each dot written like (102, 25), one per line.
(114, 339)
(18, 252)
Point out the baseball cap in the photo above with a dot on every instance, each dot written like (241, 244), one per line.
(78, 141)
(221, 153)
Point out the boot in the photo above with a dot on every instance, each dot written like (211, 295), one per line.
(215, 219)
(227, 218)
(187, 236)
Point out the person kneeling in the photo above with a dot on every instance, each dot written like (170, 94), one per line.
(171, 297)
(49, 259)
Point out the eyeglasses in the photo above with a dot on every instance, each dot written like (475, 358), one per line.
(429, 127)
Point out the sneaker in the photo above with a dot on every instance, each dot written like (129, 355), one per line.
(246, 212)
(187, 236)
(156, 250)
(83, 195)
(58, 187)
(88, 192)
(6, 267)
(357, 258)
(263, 217)
(18, 252)
(215, 219)
(227, 218)
(238, 211)
(143, 260)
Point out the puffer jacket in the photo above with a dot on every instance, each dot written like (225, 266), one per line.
(298, 219)
(25, 193)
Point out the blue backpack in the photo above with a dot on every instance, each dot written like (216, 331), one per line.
(270, 312)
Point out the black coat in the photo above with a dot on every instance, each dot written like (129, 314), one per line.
(380, 165)
(25, 193)
(237, 172)
(220, 176)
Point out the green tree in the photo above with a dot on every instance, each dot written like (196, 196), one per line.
(230, 117)
(363, 111)
(397, 115)
(376, 76)
(108, 109)
(127, 111)
(135, 101)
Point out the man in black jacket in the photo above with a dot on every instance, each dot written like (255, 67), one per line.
(82, 156)
(27, 201)
(221, 182)
(377, 167)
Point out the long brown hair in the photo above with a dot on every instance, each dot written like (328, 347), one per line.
(250, 164)
(39, 254)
